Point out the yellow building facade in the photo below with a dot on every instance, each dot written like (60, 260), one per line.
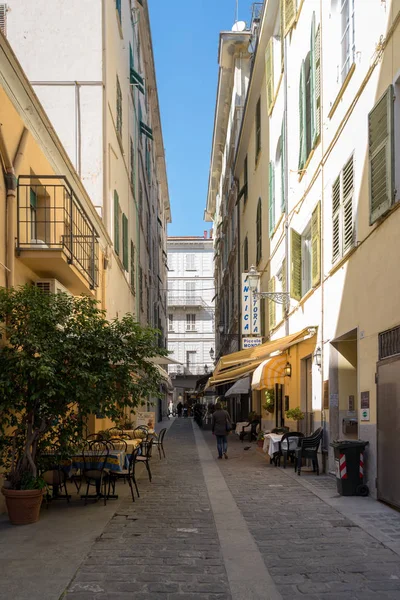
(317, 172)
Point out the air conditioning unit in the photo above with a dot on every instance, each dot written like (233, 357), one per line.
(51, 286)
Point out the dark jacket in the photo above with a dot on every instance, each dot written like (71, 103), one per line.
(220, 421)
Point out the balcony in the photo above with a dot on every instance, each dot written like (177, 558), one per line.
(182, 371)
(55, 237)
(186, 302)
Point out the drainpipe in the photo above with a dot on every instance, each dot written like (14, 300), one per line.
(11, 187)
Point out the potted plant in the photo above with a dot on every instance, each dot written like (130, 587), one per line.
(269, 404)
(295, 414)
(61, 362)
(260, 439)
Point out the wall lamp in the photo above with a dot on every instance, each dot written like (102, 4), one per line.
(318, 356)
(288, 370)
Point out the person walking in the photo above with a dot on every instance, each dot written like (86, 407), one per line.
(179, 408)
(221, 426)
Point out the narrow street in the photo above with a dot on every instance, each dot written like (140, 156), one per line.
(215, 530)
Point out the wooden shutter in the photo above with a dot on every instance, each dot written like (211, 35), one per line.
(312, 80)
(125, 251)
(262, 317)
(246, 254)
(271, 304)
(269, 74)
(347, 201)
(271, 199)
(259, 231)
(295, 271)
(381, 155)
(317, 87)
(116, 222)
(302, 118)
(3, 19)
(289, 10)
(316, 246)
(245, 184)
(336, 246)
(283, 166)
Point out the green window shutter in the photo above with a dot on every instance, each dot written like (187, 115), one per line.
(289, 10)
(125, 252)
(316, 246)
(269, 74)
(271, 305)
(295, 271)
(262, 316)
(302, 118)
(246, 254)
(116, 222)
(381, 156)
(245, 183)
(131, 58)
(317, 88)
(283, 166)
(312, 81)
(32, 198)
(284, 282)
(271, 199)
(347, 211)
(259, 231)
(336, 250)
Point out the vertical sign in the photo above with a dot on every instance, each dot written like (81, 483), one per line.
(251, 318)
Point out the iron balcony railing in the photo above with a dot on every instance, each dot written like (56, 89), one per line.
(50, 217)
(185, 301)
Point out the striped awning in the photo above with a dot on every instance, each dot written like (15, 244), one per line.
(269, 372)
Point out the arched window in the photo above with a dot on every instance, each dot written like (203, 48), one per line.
(259, 232)
(246, 254)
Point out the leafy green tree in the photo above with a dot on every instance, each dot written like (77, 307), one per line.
(60, 361)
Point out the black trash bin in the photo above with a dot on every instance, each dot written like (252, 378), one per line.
(349, 463)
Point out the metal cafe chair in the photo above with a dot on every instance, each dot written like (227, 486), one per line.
(145, 456)
(94, 469)
(127, 475)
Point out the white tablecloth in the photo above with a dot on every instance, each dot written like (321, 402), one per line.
(271, 443)
(240, 425)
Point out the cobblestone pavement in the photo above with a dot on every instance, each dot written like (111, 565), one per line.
(165, 545)
(311, 550)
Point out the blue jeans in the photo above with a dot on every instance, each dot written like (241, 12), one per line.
(222, 444)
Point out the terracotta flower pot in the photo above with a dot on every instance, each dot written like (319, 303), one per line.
(23, 506)
(260, 443)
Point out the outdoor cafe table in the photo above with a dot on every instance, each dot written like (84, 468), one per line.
(132, 432)
(271, 443)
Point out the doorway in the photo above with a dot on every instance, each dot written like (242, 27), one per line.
(388, 425)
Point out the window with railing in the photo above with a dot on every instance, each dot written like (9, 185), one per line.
(50, 216)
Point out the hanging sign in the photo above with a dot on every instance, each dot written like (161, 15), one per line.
(251, 342)
(251, 317)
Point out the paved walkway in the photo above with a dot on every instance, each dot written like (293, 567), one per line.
(206, 529)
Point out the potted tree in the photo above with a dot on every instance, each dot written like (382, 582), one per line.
(295, 414)
(61, 361)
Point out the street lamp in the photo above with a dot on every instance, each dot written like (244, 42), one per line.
(253, 277)
(212, 353)
(318, 356)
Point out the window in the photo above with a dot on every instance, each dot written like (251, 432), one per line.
(258, 128)
(141, 288)
(283, 165)
(190, 262)
(245, 179)
(342, 211)
(3, 19)
(288, 15)
(118, 7)
(140, 200)
(246, 254)
(125, 251)
(190, 287)
(269, 74)
(347, 40)
(132, 163)
(381, 156)
(191, 360)
(117, 216)
(271, 199)
(190, 322)
(170, 322)
(259, 232)
(310, 97)
(133, 268)
(305, 252)
(33, 208)
(119, 109)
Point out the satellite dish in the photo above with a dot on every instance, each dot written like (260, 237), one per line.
(239, 26)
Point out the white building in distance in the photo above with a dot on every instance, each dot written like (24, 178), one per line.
(191, 332)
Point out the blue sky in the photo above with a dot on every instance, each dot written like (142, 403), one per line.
(185, 40)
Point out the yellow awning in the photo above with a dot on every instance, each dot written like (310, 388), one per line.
(232, 374)
(269, 372)
(263, 351)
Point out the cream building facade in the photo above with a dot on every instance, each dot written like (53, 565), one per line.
(318, 157)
